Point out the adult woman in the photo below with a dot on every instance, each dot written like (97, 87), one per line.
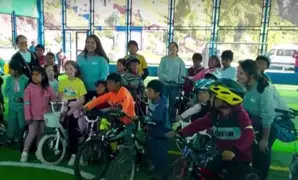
(94, 65)
(213, 65)
(170, 72)
(260, 102)
(24, 58)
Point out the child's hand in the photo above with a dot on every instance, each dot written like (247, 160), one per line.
(228, 155)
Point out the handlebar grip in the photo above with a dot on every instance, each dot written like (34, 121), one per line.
(282, 111)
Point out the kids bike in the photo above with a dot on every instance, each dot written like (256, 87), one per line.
(287, 132)
(192, 164)
(99, 150)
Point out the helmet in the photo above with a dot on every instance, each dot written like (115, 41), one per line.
(215, 75)
(228, 90)
(203, 84)
(264, 58)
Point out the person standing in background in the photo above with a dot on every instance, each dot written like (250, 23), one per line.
(32, 47)
(196, 68)
(61, 60)
(50, 61)
(143, 67)
(39, 51)
(228, 71)
(171, 71)
(263, 63)
(24, 58)
(93, 64)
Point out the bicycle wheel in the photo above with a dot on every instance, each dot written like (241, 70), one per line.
(123, 167)
(47, 152)
(91, 160)
(178, 170)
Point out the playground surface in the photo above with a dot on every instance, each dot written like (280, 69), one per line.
(11, 168)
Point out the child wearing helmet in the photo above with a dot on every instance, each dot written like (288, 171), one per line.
(132, 80)
(263, 63)
(232, 129)
(200, 109)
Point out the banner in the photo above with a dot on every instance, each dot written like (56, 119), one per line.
(21, 7)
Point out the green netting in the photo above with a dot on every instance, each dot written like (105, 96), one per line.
(21, 8)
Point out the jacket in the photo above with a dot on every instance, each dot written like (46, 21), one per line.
(26, 67)
(36, 101)
(233, 132)
(9, 92)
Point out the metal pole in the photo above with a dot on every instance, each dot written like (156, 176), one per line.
(128, 22)
(171, 22)
(40, 32)
(14, 28)
(215, 19)
(63, 3)
(91, 17)
(265, 22)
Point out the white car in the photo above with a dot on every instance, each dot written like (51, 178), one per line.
(282, 56)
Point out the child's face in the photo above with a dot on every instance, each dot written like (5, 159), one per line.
(132, 49)
(39, 52)
(196, 63)
(225, 62)
(90, 45)
(50, 72)
(173, 49)
(36, 77)
(242, 77)
(12, 72)
(100, 89)
(113, 86)
(50, 59)
(203, 96)
(70, 70)
(262, 65)
(134, 67)
(120, 67)
(217, 103)
(212, 63)
(151, 94)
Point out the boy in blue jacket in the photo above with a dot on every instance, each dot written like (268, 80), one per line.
(158, 115)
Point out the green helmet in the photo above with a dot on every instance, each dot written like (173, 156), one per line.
(203, 84)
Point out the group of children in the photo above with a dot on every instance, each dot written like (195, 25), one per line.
(218, 100)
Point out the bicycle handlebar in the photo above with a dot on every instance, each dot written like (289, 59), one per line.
(290, 112)
(61, 109)
(91, 120)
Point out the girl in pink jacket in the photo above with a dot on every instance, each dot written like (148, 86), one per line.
(37, 97)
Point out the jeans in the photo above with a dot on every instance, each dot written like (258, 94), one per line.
(262, 160)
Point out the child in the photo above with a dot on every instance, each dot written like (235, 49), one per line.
(50, 61)
(52, 81)
(117, 96)
(72, 89)
(14, 91)
(232, 127)
(143, 67)
(101, 89)
(196, 68)
(263, 63)
(203, 106)
(37, 97)
(132, 81)
(157, 113)
(121, 66)
(228, 71)
(39, 51)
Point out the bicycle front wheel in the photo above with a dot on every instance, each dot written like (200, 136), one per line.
(48, 152)
(91, 160)
(123, 167)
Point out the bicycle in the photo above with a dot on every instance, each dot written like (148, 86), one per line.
(287, 117)
(127, 163)
(57, 141)
(101, 148)
(193, 162)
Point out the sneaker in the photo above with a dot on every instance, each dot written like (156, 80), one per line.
(72, 160)
(24, 157)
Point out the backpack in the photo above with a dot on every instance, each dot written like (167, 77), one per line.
(285, 129)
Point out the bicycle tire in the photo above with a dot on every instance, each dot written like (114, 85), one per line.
(104, 154)
(179, 166)
(120, 159)
(40, 153)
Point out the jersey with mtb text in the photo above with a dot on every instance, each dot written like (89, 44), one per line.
(227, 129)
